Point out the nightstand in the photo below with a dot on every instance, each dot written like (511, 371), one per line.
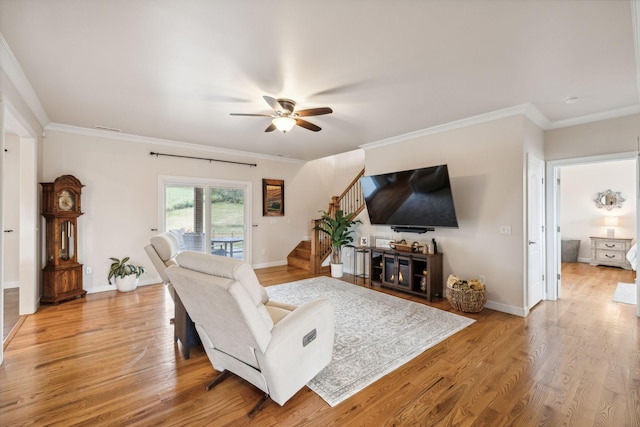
(610, 251)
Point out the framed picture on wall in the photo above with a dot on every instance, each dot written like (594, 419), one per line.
(272, 197)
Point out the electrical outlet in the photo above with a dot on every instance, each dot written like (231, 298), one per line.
(89, 270)
(505, 229)
(482, 278)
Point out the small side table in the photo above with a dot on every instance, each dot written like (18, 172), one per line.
(184, 328)
(364, 252)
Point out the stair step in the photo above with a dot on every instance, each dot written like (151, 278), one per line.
(305, 244)
(304, 264)
(302, 253)
(301, 256)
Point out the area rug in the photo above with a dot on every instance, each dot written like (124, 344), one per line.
(375, 333)
(626, 293)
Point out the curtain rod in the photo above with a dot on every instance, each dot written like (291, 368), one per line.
(204, 158)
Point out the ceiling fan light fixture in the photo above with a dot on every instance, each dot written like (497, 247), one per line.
(284, 124)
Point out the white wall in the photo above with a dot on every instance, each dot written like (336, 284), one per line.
(580, 217)
(120, 197)
(617, 135)
(335, 173)
(486, 168)
(11, 203)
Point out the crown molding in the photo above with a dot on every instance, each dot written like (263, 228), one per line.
(14, 123)
(603, 115)
(166, 143)
(529, 110)
(10, 66)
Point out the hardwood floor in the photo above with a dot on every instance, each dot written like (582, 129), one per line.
(11, 315)
(110, 359)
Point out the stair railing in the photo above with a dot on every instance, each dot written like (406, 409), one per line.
(351, 200)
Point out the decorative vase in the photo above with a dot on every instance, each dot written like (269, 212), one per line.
(337, 270)
(127, 283)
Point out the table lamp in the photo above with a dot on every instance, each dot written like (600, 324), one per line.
(611, 221)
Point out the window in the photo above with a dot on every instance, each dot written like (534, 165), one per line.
(208, 215)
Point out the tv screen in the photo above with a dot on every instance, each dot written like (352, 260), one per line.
(411, 200)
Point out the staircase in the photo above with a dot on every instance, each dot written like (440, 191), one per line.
(301, 256)
(310, 254)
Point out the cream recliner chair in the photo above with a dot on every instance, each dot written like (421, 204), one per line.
(276, 347)
(162, 251)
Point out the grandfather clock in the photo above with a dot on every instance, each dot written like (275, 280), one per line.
(62, 274)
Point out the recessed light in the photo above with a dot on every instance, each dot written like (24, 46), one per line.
(571, 100)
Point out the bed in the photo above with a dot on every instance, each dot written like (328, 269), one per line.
(632, 254)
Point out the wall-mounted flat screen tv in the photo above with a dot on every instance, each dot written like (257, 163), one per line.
(412, 200)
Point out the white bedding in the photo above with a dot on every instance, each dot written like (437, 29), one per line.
(632, 254)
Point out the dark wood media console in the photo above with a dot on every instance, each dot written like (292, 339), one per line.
(414, 273)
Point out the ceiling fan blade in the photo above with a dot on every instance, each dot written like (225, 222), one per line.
(273, 103)
(308, 125)
(282, 106)
(256, 115)
(271, 128)
(314, 112)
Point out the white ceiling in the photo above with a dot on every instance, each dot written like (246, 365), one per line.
(174, 70)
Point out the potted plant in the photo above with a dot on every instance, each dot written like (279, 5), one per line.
(126, 275)
(338, 229)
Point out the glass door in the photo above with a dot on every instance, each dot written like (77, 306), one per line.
(227, 221)
(184, 215)
(208, 215)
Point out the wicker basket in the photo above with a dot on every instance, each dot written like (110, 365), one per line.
(466, 300)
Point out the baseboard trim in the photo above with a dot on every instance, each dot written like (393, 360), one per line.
(509, 309)
(11, 285)
(270, 264)
(105, 288)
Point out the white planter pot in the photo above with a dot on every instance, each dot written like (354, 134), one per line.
(127, 283)
(336, 270)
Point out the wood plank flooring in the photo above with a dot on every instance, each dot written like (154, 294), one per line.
(110, 359)
(11, 309)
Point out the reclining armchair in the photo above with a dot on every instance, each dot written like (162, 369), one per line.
(162, 252)
(276, 347)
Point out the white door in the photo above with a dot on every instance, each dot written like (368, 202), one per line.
(535, 231)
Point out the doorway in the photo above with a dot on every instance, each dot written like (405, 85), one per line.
(20, 218)
(575, 215)
(208, 215)
(11, 233)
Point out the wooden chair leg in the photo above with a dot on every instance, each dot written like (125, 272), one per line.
(221, 376)
(258, 406)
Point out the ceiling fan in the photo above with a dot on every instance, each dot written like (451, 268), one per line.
(284, 116)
